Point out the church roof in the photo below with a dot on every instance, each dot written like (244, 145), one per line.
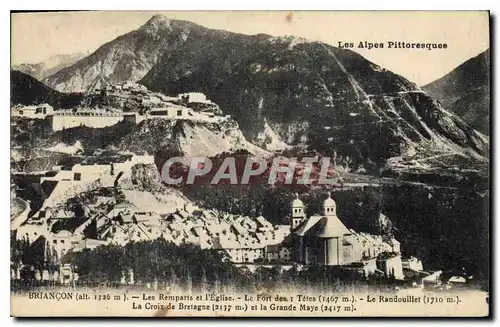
(306, 225)
(287, 241)
(329, 227)
(323, 227)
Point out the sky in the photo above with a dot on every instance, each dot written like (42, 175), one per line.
(35, 37)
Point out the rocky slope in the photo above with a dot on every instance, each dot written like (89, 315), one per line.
(127, 58)
(282, 90)
(157, 136)
(51, 66)
(466, 91)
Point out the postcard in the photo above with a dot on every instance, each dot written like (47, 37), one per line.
(250, 164)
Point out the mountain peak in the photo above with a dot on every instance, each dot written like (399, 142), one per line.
(157, 22)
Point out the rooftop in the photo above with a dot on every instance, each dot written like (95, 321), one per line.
(67, 224)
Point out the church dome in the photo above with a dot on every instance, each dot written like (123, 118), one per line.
(297, 202)
(329, 202)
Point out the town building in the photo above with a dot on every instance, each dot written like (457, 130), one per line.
(33, 112)
(191, 97)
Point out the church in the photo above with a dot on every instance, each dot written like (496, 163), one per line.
(325, 240)
(319, 239)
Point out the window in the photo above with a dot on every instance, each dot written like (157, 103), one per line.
(54, 241)
(159, 113)
(21, 112)
(62, 241)
(179, 112)
(77, 177)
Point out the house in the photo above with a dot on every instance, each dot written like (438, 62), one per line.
(89, 243)
(390, 264)
(116, 234)
(395, 245)
(170, 112)
(204, 240)
(149, 216)
(66, 233)
(229, 246)
(194, 97)
(140, 233)
(263, 224)
(272, 252)
(412, 263)
(34, 112)
(32, 232)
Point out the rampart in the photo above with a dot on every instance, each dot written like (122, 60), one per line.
(63, 119)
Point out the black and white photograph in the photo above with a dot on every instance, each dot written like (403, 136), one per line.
(250, 164)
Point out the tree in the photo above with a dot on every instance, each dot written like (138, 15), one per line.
(17, 249)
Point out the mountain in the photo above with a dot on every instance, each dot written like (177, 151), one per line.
(46, 68)
(282, 90)
(466, 91)
(27, 90)
(127, 58)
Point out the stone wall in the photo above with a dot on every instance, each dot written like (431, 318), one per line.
(59, 122)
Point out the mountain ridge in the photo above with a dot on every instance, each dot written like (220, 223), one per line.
(43, 69)
(312, 94)
(132, 55)
(466, 91)
(27, 90)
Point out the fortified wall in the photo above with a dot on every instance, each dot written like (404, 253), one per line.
(100, 118)
(63, 119)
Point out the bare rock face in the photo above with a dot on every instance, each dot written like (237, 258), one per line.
(127, 58)
(157, 136)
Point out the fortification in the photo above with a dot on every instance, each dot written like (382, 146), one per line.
(92, 118)
(99, 118)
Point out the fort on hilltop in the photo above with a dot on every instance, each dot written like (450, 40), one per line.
(99, 118)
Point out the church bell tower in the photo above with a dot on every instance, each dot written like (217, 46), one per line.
(298, 212)
(329, 207)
